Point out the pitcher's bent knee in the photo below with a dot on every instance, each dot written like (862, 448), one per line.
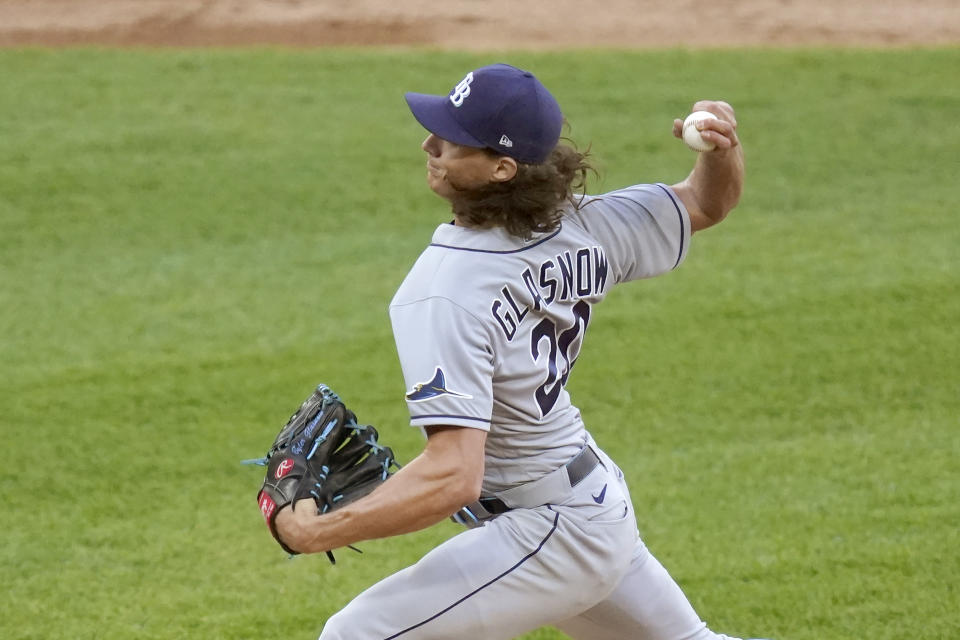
(336, 628)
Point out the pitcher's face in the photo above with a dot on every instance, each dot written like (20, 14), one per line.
(452, 168)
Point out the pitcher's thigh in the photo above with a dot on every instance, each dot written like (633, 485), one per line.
(495, 582)
(646, 605)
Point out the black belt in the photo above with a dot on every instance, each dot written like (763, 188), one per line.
(577, 469)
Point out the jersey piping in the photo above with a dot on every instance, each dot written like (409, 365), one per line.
(445, 415)
(683, 235)
(521, 249)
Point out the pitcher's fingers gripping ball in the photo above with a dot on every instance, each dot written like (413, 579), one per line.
(323, 454)
(691, 131)
(711, 125)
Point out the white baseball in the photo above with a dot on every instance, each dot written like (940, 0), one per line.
(691, 135)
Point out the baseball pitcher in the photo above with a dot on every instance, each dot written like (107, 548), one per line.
(488, 325)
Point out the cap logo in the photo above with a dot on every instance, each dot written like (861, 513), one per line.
(461, 91)
(505, 141)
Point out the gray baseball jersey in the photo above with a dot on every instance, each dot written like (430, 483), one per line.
(488, 326)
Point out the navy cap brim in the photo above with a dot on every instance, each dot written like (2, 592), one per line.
(434, 114)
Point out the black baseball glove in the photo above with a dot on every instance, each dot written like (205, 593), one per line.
(321, 453)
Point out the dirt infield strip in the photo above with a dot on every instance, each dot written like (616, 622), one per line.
(480, 24)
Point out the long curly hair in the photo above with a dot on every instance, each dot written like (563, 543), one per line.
(533, 200)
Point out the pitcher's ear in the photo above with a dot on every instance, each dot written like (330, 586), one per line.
(505, 170)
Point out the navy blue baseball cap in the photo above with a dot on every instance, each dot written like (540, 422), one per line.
(498, 107)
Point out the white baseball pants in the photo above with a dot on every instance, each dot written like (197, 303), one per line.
(578, 565)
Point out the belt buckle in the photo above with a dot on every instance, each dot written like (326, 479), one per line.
(476, 513)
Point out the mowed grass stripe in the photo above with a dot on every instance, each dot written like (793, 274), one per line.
(189, 240)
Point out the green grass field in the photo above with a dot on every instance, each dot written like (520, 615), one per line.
(190, 240)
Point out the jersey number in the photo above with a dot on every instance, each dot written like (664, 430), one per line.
(561, 351)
